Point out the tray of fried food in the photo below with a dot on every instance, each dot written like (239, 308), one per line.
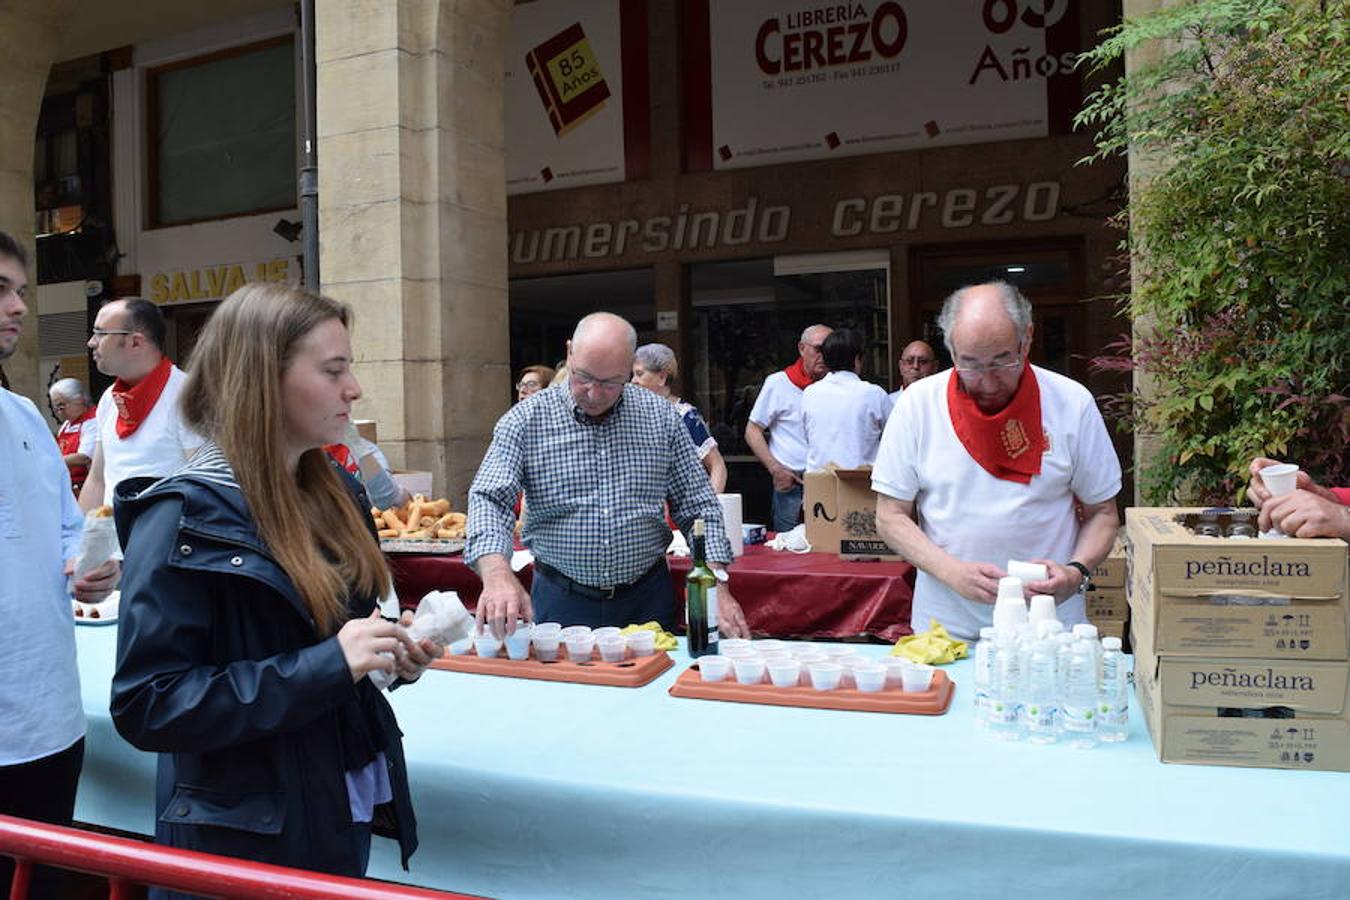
(420, 526)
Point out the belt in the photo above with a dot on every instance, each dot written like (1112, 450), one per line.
(595, 593)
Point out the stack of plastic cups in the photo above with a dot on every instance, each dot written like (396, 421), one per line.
(1042, 609)
(1010, 609)
(1279, 479)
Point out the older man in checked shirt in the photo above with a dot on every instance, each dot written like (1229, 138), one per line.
(598, 459)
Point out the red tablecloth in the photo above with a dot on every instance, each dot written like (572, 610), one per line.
(783, 594)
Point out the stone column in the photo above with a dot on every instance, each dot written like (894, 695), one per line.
(412, 219)
(28, 40)
(1142, 168)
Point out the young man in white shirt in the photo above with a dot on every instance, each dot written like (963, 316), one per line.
(778, 411)
(987, 465)
(842, 414)
(42, 725)
(140, 429)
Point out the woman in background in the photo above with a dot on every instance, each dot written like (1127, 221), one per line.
(656, 369)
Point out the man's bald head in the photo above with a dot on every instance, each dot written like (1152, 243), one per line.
(808, 348)
(600, 361)
(917, 361)
(987, 329)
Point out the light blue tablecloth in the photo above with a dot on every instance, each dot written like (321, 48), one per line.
(535, 789)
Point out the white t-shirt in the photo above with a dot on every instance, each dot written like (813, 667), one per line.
(778, 408)
(843, 417)
(979, 518)
(40, 708)
(159, 447)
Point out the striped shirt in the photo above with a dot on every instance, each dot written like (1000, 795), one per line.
(595, 489)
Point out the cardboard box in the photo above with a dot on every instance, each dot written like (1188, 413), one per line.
(1106, 604)
(1274, 714)
(1110, 572)
(1218, 597)
(841, 514)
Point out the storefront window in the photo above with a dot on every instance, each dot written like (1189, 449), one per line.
(222, 134)
(748, 316)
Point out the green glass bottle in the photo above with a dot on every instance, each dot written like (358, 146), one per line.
(700, 592)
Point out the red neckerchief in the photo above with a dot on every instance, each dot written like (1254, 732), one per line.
(134, 401)
(1008, 444)
(798, 375)
(344, 457)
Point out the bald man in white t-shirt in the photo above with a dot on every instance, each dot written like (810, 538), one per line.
(988, 464)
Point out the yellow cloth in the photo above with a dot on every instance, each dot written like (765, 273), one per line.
(934, 646)
(664, 639)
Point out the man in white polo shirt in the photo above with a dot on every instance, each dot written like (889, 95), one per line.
(778, 411)
(991, 460)
(140, 429)
(842, 414)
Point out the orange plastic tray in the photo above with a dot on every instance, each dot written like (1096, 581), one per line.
(633, 672)
(933, 702)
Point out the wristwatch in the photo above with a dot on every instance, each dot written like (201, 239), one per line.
(722, 575)
(1086, 584)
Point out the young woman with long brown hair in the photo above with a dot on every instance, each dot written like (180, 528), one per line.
(249, 617)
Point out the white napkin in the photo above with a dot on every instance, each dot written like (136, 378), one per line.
(793, 541)
(441, 617)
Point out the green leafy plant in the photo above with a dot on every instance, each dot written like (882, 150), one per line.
(1241, 240)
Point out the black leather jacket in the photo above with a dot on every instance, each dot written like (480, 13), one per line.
(219, 669)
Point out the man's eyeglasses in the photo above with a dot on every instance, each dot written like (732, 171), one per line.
(981, 371)
(99, 334)
(586, 379)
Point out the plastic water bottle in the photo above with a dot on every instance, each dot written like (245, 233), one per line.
(984, 675)
(1004, 721)
(1041, 707)
(1088, 634)
(1113, 710)
(1063, 650)
(1080, 697)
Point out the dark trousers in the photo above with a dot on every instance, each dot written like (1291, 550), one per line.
(648, 599)
(42, 790)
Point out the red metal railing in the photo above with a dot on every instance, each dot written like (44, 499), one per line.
(126, 864)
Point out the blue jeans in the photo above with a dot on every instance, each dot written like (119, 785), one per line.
(650, 598)
(787, 508)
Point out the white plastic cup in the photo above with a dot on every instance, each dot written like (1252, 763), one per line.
(613, 647)
(714, 667)
(1010, 612)
(548, 628)
(642, 643)
(580, 647)
(825, 676)
(546, 646)
(1027, 571)
(461, 647)
(1042, 609)
(1280, 478)
(894, 666)
(839, 650)
(784, 672)
(768, 645)
(749, 669)
(1010, 586)
(737, 651)
(518, 643)
(486, 646)
(572, 631)
(604, 632)
(869, 677)
(916, 678)
(733, 646)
